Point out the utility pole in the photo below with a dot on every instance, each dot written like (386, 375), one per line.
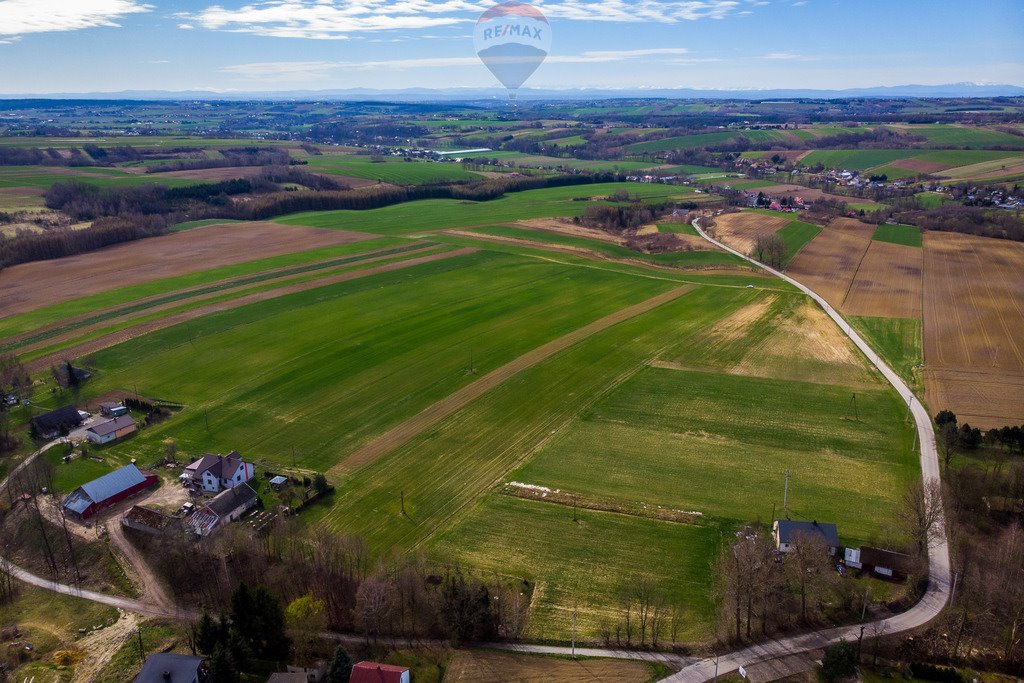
(574, 518)
(402, 494)
(142, 651)
(206, 417)
(853, 401)
(716, 668)
(785, 496)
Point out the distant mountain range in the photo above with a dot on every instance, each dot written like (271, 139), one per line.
(539, 94)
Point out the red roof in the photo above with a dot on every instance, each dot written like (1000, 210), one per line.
(372, 672)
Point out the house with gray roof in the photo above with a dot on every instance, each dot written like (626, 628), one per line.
(786, 532)
(215, 473)
(169, 667)
(111, 430)
(224, 508)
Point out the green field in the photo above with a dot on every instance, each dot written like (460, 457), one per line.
(352, 359)
(856, 159)
(440, 214)
(931, 200)
(25, 322)
(909, 235)
(679, 142)
(795, 235)
(899, 341)
(680, 259)
(966, 137)
(398, 172)
(43, 177)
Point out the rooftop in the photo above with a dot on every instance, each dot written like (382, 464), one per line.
(111, 426)
(788, 528)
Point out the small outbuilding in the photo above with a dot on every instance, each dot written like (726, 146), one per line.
(785, 532)
(372, 672)
(56, 422)
(111, 430)
(111, 488)
(150, 521)
(886, 563)
(222, 509)
(278, 482)
(112, 409)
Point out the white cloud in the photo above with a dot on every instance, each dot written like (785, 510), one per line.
(338, 19)
(21, 17)
(782, 56)
(284, 71)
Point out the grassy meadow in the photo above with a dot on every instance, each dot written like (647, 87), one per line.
(907, 235)
(440, 214)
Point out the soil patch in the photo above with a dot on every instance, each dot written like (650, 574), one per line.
(828, 263)
(974, 327)
(485, 665)
(888, 283)
(742, 230)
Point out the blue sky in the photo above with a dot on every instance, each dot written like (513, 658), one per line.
(245, 45)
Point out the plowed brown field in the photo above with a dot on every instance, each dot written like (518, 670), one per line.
(888, 282)
(853, 225)
(741, 230)
(828, 263)
(974, 327)
(29, 286)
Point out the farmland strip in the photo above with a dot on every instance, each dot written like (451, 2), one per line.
(163, 301)
(130, 333)
(429, 417)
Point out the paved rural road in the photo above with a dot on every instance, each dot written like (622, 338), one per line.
(935, 596)
(693, 671)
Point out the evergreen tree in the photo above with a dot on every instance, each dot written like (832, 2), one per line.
(207, 634)
(221, 670)
(340, 668)
(840, 661)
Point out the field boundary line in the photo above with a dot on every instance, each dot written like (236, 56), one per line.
(119, 336)
(403, 433)
(856, 272)
(242, 289)
(939, 572)
(197, 293)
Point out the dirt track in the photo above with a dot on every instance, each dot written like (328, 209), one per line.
(29, 286)
(120, 336)
(433, 414)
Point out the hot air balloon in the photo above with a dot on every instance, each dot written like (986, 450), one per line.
(512, 39)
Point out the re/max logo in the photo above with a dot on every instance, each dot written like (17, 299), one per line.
(512, 30)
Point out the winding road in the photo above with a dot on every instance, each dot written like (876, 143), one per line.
(937, 593)
(692, 670)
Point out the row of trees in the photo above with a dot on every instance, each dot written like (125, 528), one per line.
(230, 157)
(403, 595)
